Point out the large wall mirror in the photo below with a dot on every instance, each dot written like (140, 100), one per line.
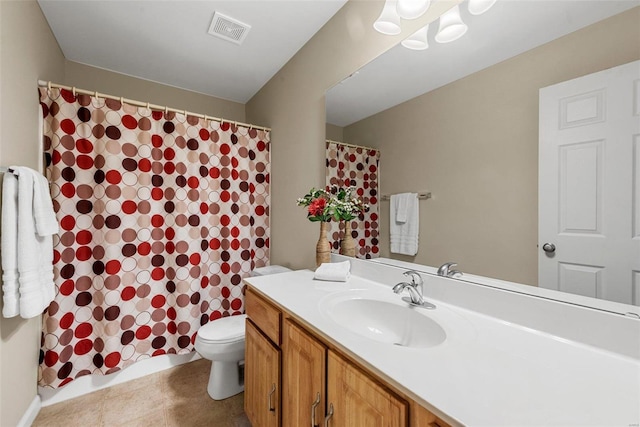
(461, 120)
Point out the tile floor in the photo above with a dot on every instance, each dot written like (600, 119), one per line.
(175, 397)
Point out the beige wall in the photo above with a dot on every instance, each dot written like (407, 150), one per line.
(334, 133)
(28, 52)
(292, 104)
(116, 84)
(474, 145)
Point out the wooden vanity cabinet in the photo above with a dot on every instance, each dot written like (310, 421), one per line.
(355, 399)
(303, 377)
(263, 361)
(306, 380)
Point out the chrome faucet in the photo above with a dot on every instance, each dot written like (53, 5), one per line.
(446, 270)
(415, 297)
(415, 290)
(419, 283)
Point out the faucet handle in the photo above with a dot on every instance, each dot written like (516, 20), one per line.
(413, 274)
(444, 268)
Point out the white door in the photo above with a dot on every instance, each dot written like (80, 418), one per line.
(589, 185)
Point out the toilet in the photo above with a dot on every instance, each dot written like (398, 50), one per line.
(222, 342)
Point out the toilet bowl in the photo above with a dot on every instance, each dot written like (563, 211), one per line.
(222, 342)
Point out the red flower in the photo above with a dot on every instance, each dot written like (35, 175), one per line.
(317, 206)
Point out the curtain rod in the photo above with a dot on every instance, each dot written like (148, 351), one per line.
(97, 94)
(330, 141)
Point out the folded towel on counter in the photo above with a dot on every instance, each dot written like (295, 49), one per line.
(333, 272)
(27, 255)
(404, 234)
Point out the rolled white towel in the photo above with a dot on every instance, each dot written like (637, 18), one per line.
(333, 272)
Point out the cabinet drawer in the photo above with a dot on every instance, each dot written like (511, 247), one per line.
(264, 315)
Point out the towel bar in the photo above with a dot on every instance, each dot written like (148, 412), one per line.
(421, 196)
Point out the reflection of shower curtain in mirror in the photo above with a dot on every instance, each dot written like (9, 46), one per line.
(355, 166)
(161, 217)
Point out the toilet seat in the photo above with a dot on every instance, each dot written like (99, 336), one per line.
(223, 330)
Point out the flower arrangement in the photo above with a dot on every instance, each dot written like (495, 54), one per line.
(346, 206)
(338, 204)
(318, 204)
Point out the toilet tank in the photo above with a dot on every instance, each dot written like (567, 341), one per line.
(269, 269)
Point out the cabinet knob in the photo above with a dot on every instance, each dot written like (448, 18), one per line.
(273, 390)
(329, 415)
(313, 410)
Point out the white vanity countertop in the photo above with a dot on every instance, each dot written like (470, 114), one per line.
(487, 372)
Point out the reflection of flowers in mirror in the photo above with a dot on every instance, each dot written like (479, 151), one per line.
(346, 206)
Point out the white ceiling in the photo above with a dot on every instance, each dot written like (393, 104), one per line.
(509, 28)
(166, 41)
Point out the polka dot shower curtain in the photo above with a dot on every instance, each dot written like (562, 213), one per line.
(355, 166)
(161, 217)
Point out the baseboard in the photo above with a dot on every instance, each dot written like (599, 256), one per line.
(90, 383)
(32, 412)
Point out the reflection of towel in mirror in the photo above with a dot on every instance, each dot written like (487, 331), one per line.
(27, 255)
(334, 272)
(404, 223)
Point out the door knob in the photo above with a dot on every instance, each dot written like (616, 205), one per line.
(549, 248)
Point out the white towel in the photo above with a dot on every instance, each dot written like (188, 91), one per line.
(404, 234)
(333, 272)
(402, 202)
(28, 255)
(10, 286)
(43, 214)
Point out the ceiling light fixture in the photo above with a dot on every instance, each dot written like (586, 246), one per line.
(418, 40)
(451, 26)
(389, 21)
(478, 7)
(412, 9)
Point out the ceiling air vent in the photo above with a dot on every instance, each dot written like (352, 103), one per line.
(228, 28)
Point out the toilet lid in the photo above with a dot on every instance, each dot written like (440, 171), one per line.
(224, 329)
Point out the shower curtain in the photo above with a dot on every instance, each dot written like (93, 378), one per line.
(161, 217)
(355, 166)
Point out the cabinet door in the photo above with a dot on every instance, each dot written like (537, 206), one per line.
(262, 379)
(303, 378)
(421, 417)
(358, 400)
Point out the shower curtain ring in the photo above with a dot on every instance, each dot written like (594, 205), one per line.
(148, 106)
(73, 91)
(49, 85)
(166, 110)
(121, 101)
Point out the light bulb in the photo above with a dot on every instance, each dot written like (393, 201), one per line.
(388, 22)
(451, 26)
(478, 7)
(418, 40)
(412, 9)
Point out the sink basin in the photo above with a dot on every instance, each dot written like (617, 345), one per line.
(385, 321)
